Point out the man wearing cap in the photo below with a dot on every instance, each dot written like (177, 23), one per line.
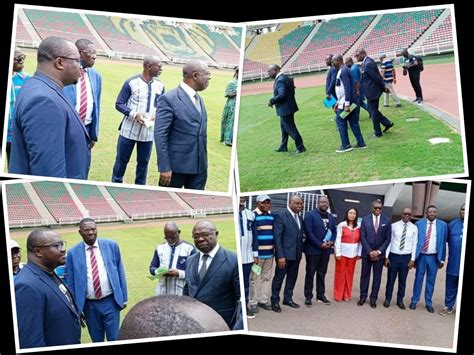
(17, 265)
(262, 231)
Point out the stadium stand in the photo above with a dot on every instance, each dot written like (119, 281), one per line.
(333, 37)
(396, 31)
(442, 35)
(141, 204)
(206, 203)
(118, 41)
(21, 210)
(237, 35)
(93, 200)
(58, 201)
(62, 24)
(22, 34)
(292, 41)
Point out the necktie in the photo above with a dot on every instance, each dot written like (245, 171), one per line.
(95, 274)
(376, 225)
(297, 220)
(197, 103)
(427, 239)
(83, 97)
(203, 270)
(402, 240)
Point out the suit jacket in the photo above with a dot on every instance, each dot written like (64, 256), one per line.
(45, 316)
(220, 287)
(371, 81)
(180, 134)
(315, 232)
(348, 82)
(70, 92)
(50, 138)
(375, 241)
(330, 80)
(441, 238)
(76, 268)
(288, 237)
(284, 96)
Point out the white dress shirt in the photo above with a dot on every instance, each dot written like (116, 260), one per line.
(104, 280)
(211, 254)
(411, 239)
(90, 99)
(295, 217)
(192, 95)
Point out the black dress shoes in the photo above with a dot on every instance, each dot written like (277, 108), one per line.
(373, 304)
(412, 306)
(279, 150)
(299, 151)
(388, 127)
(386, 303)
(291, 304)
(276, 307)
(361, 302)
(308, 302)
(430, 309)
(265, 306)
(400, 305)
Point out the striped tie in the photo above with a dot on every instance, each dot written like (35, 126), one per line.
(402, 240)
(83, 97)
(95, 274)
(427, 239)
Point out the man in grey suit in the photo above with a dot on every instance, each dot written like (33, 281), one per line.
(212, 275)
(181, 131)
(288, 234)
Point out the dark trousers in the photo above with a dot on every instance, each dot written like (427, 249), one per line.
(452, 282)
(247, 269)
(415, 83)
(377, 116)
(353, 120)
(376, 268)
(315, 264)
(288, 128)
(398, 266)
(8, 150)
(291, 272)
(124, 151)
(188, 181)
(102, 318)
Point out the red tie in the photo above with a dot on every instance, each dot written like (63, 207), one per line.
(83, 98)
(427, 239)
(95, 275)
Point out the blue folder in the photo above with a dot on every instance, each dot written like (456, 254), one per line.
(329, 103)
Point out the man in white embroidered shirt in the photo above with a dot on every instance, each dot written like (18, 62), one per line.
(400, 257)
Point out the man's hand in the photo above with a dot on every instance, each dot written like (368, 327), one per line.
(347, 108)
(411, 264)
(281, 263)
(172, 273)
(386, 262)
(139, 118)
(270, 104)
(93, 144)
(440, 266)
(255, 260)
(165, 178)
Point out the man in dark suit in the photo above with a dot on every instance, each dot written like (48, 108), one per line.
(181, 131)
(430, 255)
(285, 103)
(330, 77)
(96, 277)
(85, 94)
(50, 138)
(320, 230)
(373, 86)
(45, 307)
(212, 275)
(376, 231)
(288, 234)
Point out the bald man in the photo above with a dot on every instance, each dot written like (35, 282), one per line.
(50, 138)
(137, 101)
(212, 275)
(181, 131)
(46, 310)
(167, 315)
(172, 254)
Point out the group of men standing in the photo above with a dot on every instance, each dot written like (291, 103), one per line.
(400, 246)
(55, 118)
(51, 310)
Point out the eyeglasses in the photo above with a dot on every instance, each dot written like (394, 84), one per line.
(77, 60)
(20, 58)
(59, 245)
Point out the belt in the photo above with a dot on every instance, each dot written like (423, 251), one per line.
(100, 299)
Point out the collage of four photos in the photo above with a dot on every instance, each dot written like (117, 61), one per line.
(293, 178)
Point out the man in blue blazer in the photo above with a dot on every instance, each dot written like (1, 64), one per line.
(345, 90)
(288, 234)
(91, 80)
(285, 103)
(45, 307)
(320, 230)
(430, 255)
(96, 277)
(376, 232)
(50, 138)
(212, 275)
(181, 131)
(373, 86)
